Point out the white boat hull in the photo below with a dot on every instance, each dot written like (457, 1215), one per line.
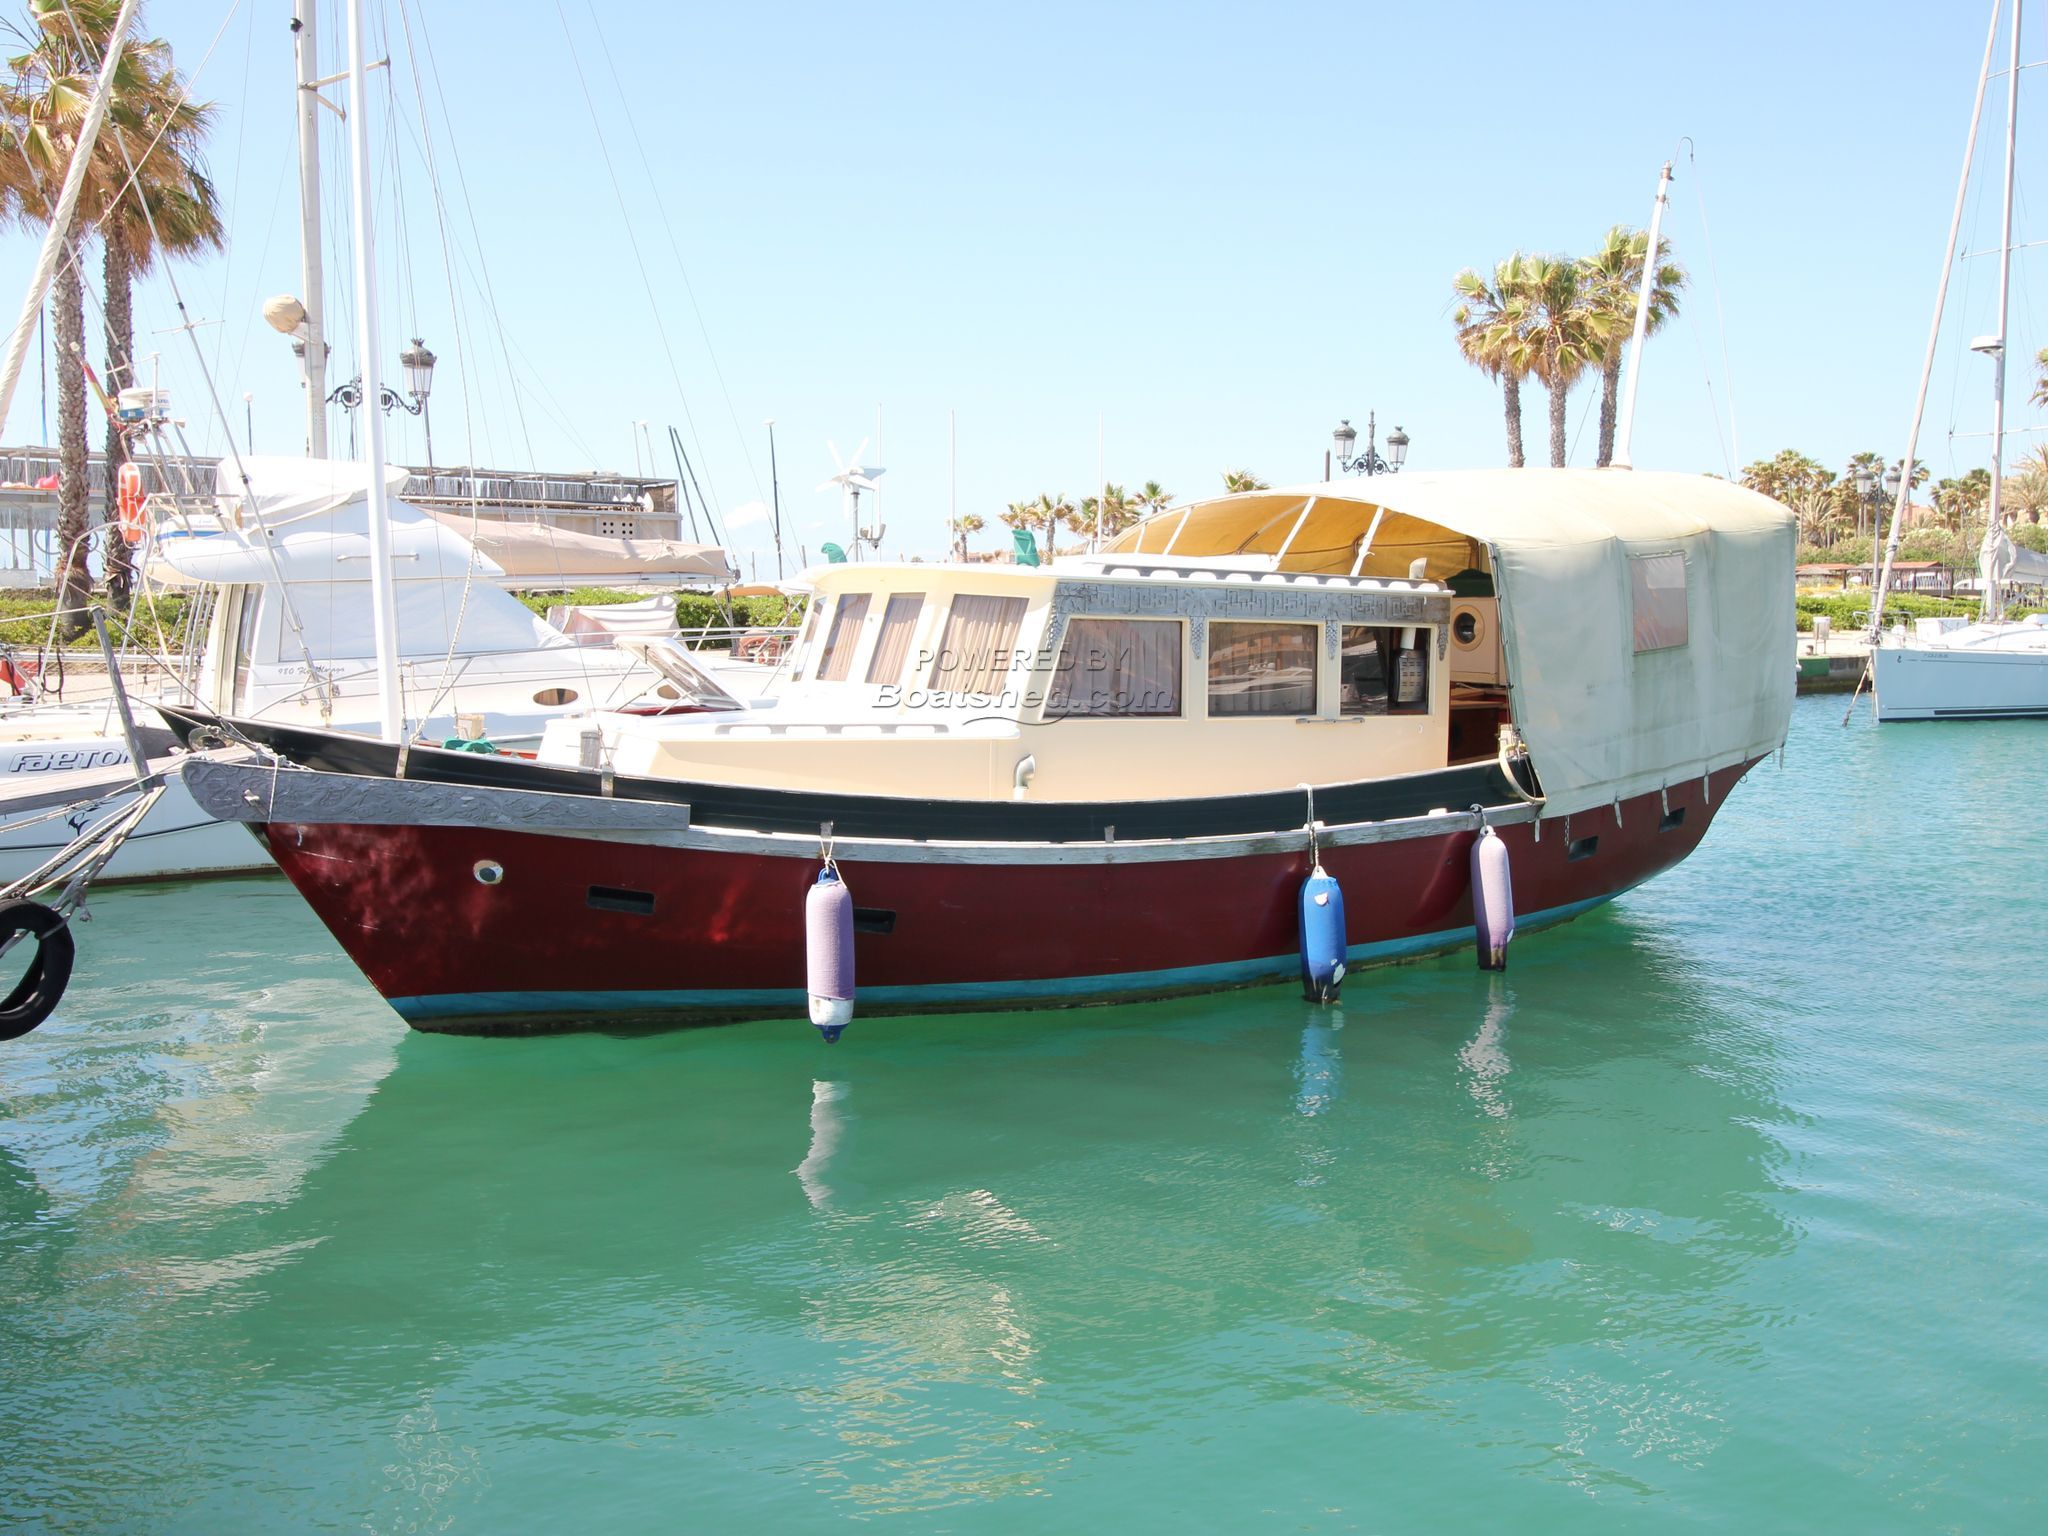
(176, 840)
(1940, 681)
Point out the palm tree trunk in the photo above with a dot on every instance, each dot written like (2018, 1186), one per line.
(1052, 527)
(1610, 394)
(1511, 388)
(119, 274)
(1557, 442)
(74, 578)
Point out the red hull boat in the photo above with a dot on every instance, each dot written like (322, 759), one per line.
(1585, 666)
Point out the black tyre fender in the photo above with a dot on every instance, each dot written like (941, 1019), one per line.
(41, 988)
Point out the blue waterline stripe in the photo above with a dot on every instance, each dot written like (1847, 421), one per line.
(1135, 983)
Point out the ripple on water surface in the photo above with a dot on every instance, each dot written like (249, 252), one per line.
(1718, 1210)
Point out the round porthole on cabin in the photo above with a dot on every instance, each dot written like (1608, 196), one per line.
(552, 697)
(1465, 628)
(488, 871)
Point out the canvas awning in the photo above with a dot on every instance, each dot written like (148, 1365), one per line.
(539, 554)
(1572, 554)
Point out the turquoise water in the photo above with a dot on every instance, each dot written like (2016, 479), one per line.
(1723, 1210)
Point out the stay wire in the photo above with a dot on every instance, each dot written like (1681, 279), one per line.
(632, 237)
(675, 249)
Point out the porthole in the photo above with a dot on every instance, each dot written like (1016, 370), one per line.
(668, 691)
(553, 698)
(488, 871)
(1465, 628)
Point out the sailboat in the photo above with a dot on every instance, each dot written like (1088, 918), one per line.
(1996, 668)
(333, 604)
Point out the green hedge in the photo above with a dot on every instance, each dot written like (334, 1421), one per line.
(25, 620)
(1848, 609)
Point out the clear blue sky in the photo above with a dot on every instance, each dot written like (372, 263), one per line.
(1218, 229)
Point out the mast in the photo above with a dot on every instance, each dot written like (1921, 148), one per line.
(1625, 428)
(383, 604)
(1993, 602)
(775, 488)
(1948, 262)
(306, 40)
(57, 236)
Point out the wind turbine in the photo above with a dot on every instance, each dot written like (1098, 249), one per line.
(852, 479)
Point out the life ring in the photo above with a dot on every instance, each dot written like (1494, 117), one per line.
(133, 504)
(41, 988)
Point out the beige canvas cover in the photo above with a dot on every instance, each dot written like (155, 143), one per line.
(538, 554)
(1574, 557)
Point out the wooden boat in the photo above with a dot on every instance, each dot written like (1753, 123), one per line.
(1100, 780)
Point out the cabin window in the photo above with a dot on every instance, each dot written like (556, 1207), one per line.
(1262, 669)
(1117, 668)
(848, 614)
(1658, 585)
(892, 646)
(979, 644)
(1380, 675)
(803, 641)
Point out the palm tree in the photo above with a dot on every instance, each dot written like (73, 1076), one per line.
(2040, 395)
(1243, 480)
(149, 127)
(2025, 490)
(1119, 511)
(1154, 498)
(969, 524)
(1490, 319)
(1615, 275)
(1047, 512)
(1566, 332)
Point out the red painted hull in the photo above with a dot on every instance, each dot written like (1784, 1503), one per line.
(724, 939)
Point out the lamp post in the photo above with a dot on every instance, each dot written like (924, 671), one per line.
(418, 363)
(1345, 438)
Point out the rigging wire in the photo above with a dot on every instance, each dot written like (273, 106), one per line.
(675, 250)
(632, 238)
(469, 210)
(1734, 450)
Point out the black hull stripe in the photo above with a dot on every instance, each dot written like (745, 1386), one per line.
(739, 807)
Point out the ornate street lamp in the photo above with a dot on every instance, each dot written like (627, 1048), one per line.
(418, 363)
(1345, 438)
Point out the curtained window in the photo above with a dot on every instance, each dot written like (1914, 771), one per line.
(979, 644)
(892, 646)
(1658, 583)
(843, 638)
(1117, 667)
(1262, 669)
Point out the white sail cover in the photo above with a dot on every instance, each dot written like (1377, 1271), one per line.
(1647, 619)
(2002, 561)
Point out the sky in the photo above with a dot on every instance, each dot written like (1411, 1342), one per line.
(1186, 238)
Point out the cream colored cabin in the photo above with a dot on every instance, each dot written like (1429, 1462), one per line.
(1107, 677)
(1632, 630)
